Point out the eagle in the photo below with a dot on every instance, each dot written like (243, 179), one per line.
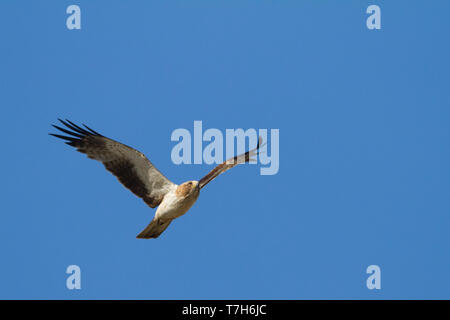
(139, 175)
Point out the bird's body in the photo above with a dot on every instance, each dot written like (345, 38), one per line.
(139, 175)
(178, 201)
(174, 204)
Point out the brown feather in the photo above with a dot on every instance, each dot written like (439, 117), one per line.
(130, 166)
(228, 164)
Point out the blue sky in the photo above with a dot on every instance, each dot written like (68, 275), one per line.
(364, 148)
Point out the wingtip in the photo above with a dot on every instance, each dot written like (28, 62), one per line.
(91, 130)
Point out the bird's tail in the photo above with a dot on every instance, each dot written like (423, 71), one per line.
(154, 229)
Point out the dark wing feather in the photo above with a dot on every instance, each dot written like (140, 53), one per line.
(230, 163)
(130, 166)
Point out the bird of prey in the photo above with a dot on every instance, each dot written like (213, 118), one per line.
(138, 174)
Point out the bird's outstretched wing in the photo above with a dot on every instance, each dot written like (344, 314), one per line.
(230, 163)
(130, 166)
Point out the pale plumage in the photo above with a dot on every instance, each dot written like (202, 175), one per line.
(138, 174)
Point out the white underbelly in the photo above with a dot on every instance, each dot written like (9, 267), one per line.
(172, 207)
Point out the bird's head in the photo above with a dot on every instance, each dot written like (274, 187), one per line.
(188, 189)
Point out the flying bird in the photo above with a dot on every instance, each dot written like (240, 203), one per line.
(139, 175)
